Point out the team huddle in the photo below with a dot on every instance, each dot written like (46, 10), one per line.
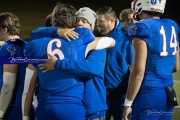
(87, 65)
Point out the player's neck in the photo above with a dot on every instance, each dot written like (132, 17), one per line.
(145, 16)
(1, 42)
(11, 37)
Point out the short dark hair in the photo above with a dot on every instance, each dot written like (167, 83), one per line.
(11, 22)
(63, 15)
(107, 12)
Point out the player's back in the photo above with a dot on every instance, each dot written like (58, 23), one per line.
(56, 86)
(161, 37)
(11, 49)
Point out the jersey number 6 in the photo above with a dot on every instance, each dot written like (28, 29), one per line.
(57, 50)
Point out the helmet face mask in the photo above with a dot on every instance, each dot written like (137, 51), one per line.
(148, 5)
(135, 14)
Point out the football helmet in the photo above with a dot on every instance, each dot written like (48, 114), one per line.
(148, 5)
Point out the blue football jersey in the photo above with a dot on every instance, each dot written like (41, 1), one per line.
(14, 48)
(161, 37)
(56, 86)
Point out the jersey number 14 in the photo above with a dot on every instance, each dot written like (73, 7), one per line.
(173, 41)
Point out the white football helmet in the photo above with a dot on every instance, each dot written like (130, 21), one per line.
(148, 5)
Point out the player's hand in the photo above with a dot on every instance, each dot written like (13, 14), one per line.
(67, 33)
(49, 63)
(126, 113)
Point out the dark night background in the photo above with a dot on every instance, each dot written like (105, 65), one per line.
(33, 12)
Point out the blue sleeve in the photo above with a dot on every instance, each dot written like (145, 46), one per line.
(29, 52)
(43, 32)
(139, 30)
(86, 35)
(91, 66)
(12, 50)
(89, 37)
(130, 53)
(29, 49)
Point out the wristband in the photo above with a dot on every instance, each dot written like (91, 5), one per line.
(25, 117)
(127, 102)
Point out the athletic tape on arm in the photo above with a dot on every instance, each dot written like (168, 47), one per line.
(104, 42)
(9, 81)
(128, 102)
(28, 77)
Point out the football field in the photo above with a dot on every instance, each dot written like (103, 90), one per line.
(32, 15)
(176, 114)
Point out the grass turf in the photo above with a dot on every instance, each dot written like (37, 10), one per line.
(176, 113)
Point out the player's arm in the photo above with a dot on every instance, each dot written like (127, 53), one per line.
(92, 65)
(100, 43)
(9, 81)
(96, 44)
(137, 74)
(138, 69)
(67, 64)
(53, 32)
(130, 54)
(29, 88)
(29, 83)
(41, 32)
(176, 66)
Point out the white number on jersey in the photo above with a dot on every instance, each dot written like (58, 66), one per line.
(57, 50)
(173, 41)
